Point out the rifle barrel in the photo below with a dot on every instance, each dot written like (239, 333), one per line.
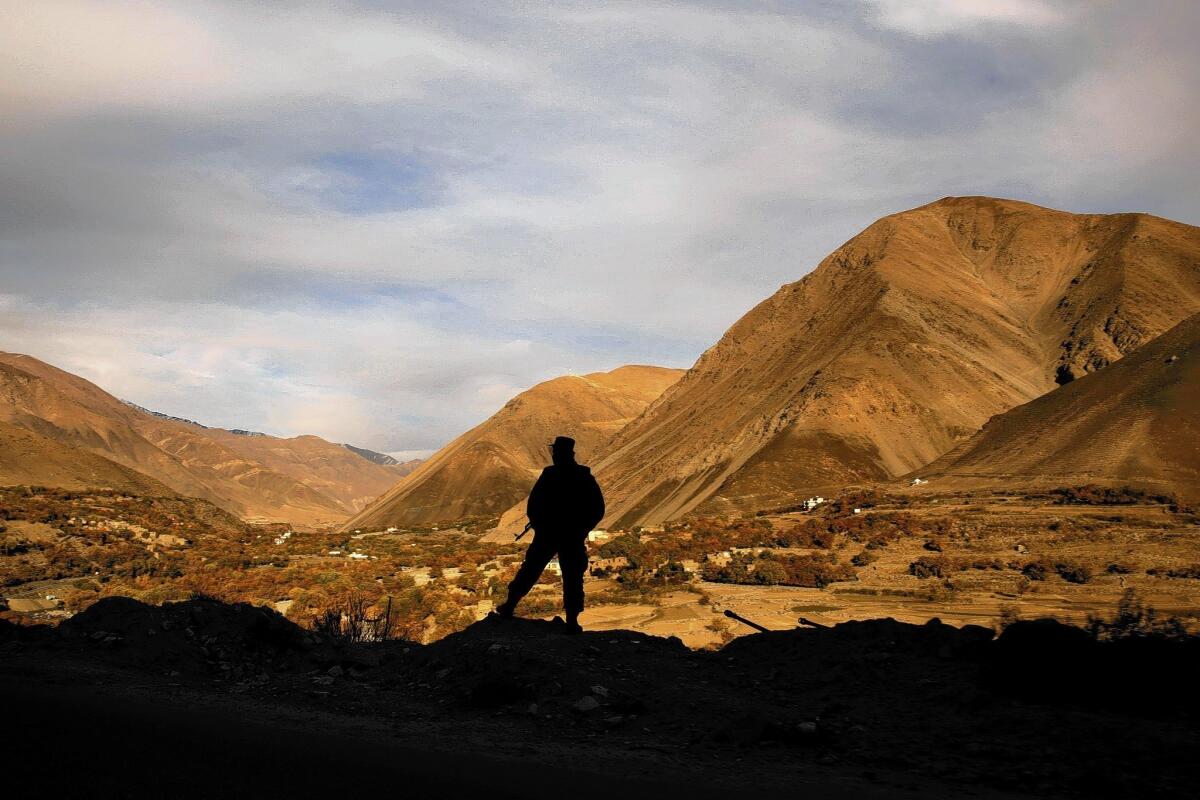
(745, 621)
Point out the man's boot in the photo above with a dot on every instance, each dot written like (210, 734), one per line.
(573, 626)
(505, 610)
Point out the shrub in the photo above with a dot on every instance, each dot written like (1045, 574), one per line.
(770, 571)
(928, 567)
(1037, 570)
(864, 558)
(1009, 613)
(1073, 572)
(1135, 619)
(1093, 495)
(1189, 571)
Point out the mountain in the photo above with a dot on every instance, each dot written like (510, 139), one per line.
(335, 470)
(313, 461)
(190, 459)
(1136, 422)
(492, 466)
(30, 459)
(897, 347)
(378, 458)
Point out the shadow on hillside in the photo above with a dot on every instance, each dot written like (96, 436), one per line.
(1042, 705)
(495, 663)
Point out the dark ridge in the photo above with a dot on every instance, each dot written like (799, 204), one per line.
(371, 455)
(161, 415)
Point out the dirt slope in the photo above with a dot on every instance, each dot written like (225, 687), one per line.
(899, 346)
(331, 469)
(492, 466)
(78, 414)
(1135, 422)
(30, 459)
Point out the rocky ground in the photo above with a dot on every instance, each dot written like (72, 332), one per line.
(124, 698)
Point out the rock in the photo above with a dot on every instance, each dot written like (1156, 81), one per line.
(807, 729)
(324, 680)
(532, 710)
(442, 673)
(335, 671)
(600, 691)
(366, 659)
(586, 703)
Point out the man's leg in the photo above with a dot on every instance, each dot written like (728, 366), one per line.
(536, 558)
(573, 558)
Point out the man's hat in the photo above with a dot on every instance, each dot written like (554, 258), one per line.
(563, 443)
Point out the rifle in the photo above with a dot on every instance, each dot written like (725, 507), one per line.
(528, 525)
(745, 621)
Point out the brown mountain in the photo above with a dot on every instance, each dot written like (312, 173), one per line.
(1136, 422)
(492, 466)
(186, 457)
(331, 469)
(897, 347)
(30, 459)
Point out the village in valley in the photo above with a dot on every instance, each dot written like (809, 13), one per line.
(966, 559)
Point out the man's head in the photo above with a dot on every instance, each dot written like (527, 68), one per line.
(563, 450)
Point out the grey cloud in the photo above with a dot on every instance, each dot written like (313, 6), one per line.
(408, 212)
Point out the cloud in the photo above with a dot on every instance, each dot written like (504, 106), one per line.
(941, 17)
(377, 223)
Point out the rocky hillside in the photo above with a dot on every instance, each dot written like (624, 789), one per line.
(1136, 422)
(898, 347)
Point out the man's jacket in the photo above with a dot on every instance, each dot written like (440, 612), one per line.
(566, 499)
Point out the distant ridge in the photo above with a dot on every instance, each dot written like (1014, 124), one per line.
(482, 473)
(304, 481)
(161, 415)
(371, 455)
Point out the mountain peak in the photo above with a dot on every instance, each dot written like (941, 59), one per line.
(897, 347)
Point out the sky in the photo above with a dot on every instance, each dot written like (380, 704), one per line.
(377, 222)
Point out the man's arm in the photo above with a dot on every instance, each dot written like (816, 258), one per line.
(595, 502)
(535, 508)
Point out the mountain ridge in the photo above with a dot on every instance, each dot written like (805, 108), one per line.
(898, 346)
(189, 458)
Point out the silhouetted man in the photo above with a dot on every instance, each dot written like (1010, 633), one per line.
(565, 504)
